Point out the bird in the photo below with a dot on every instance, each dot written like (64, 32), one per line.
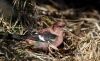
(55, 31)
(46, 39)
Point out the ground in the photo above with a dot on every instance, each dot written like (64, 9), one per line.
(81, 32)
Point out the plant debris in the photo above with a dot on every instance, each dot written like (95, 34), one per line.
(81, 32)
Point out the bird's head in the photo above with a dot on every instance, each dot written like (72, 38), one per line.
(59, 24)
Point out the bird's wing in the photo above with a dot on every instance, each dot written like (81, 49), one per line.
(43, 37)
(48, 36)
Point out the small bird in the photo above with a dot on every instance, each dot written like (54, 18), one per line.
(55, 39)
(45, 39)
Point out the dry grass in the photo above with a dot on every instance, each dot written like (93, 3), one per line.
(81, 39)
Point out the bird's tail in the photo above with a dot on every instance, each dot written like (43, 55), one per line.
(9, 36)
